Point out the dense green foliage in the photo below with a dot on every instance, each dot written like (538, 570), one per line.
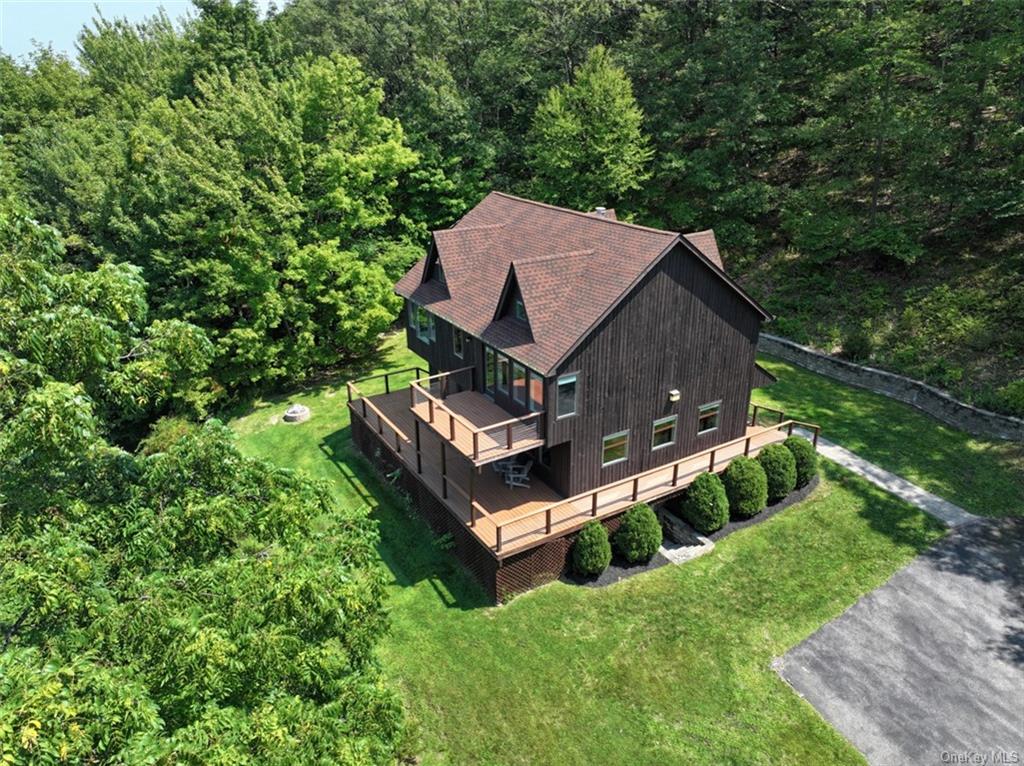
(183, 605)
(591, 553)
(856, 160)
(705, 506)
(779, 469)
(746, 487)
(639, 535)
(806, 459)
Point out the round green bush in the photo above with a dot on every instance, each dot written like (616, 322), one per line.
(780, 469)
(746, 486)
(705, 506)
(806, 459)
(592, 552)
(639, 535)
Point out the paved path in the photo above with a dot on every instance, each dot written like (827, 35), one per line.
(950, 514)
(930, 666)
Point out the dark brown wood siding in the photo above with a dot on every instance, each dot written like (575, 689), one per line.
(680, 328)
(440, 353)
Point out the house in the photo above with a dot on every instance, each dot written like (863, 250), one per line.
(600, 361)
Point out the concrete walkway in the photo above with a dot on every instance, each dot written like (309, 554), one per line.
(948, 513)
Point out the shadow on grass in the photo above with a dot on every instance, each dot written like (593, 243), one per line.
(409, 548)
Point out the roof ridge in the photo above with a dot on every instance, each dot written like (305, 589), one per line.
(588, 216)
(459, 229)
(551, 256)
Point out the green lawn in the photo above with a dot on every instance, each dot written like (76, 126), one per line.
(985, 477)
(668, 667)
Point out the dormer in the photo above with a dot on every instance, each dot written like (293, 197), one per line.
(433, 270)
(511, 304)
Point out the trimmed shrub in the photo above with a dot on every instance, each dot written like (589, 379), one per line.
(806, 459)
(780, 469)
(639, 535)
(705, 506)
(746, 486)
(592, 553)
(857, 345)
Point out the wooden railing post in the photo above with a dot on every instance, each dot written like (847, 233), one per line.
(593, 504)
(451, 426)
(398, 442)
(380, 424)
(363, 400)
(753, 419)
(746, 447)
(476, 445)
(412, 394)
(815, 440)
(387, 383)
(472, 514)
(636, 488)
(711, 467)
(430, 409)
(497, 534)
(348, 385)
(789, 431)
(508, 435)
(547, 519)
(675, 474)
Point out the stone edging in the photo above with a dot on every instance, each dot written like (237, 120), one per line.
(927, 398)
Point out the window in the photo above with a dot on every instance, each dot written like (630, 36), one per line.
(503, 374)
(490, 371)
(615, 448)
(458, 342)
(519, 383)
(566, 401)
(424, 324)
(536, 392)
(519, 309)
(707, 417)
(412, 314)
(439, 273)
(664, 433)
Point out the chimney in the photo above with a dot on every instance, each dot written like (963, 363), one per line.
(600, 211)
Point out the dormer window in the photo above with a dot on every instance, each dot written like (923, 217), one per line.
(519, 308)
(439, 273)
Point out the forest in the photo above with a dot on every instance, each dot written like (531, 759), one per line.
(193, 212)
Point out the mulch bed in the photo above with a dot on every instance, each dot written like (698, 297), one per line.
(796, 496)
(620, 569)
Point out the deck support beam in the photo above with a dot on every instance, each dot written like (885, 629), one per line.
(444, 471)
(419, 454)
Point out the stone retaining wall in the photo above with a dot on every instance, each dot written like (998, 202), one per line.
(936, 403)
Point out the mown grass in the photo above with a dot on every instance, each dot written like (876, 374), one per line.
(673, 666)
(985, 477)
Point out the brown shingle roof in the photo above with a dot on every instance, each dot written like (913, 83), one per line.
(571, 268)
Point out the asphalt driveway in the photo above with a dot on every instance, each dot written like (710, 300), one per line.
(929, 668)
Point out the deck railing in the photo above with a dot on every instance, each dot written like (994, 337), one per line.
(435, 388)
(594, 495)
(761, 409)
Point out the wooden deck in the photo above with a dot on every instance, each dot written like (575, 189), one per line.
(516, 519)
(462, 414)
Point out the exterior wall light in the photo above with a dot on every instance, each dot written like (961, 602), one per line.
(673, 395)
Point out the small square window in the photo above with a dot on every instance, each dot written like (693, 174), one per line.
(707, 417)
(566, 401)
(458, 342)
(519, 309)
(664, 433)
(503, 374)
(615, 448)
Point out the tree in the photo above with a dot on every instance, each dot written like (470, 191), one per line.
(586, 146)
